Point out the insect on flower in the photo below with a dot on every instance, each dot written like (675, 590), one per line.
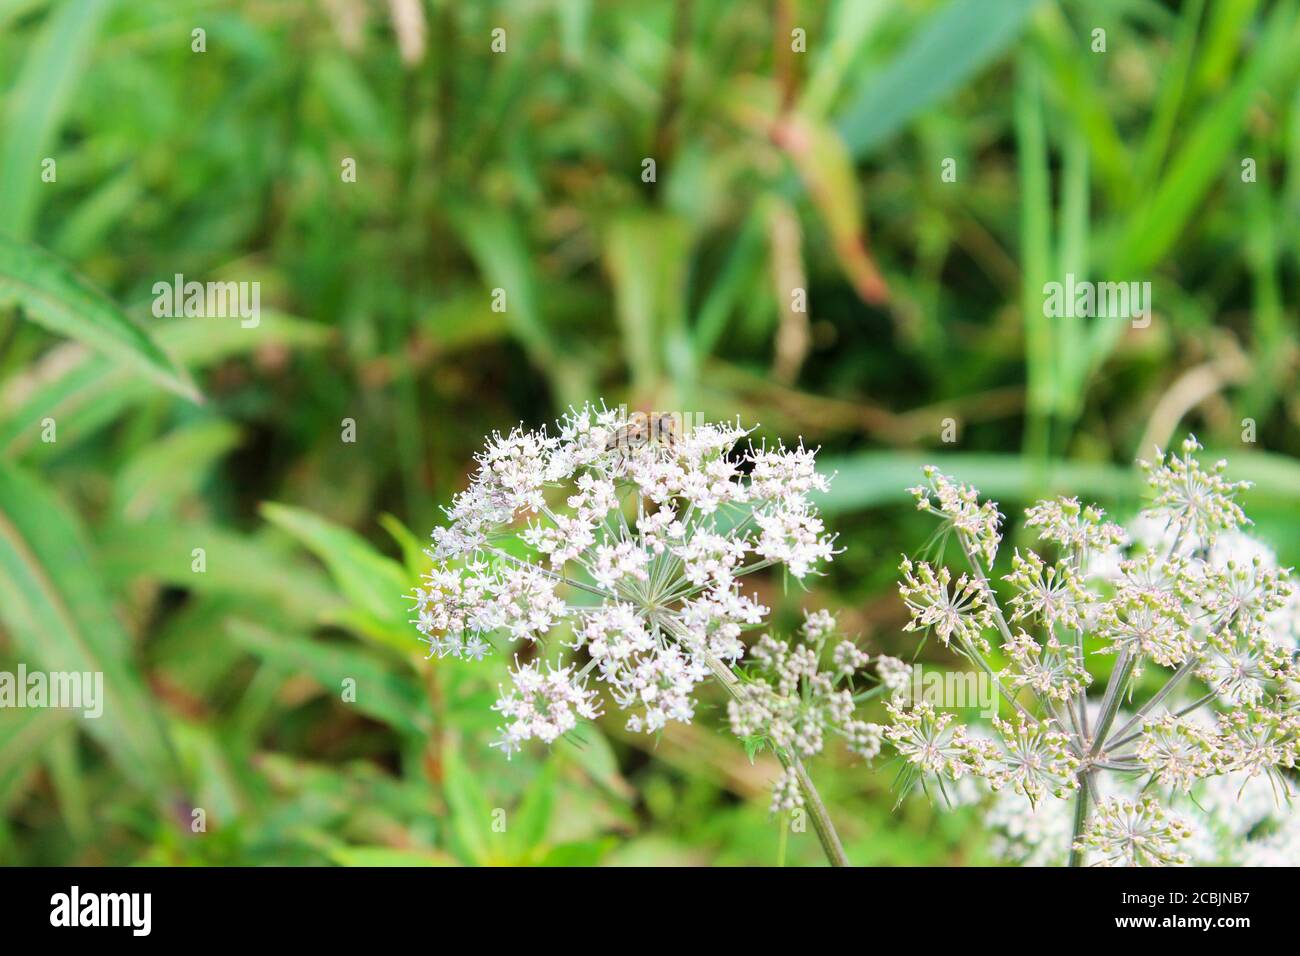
(661, 429)
(619, 545)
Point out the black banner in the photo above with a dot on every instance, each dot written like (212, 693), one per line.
(337, 905)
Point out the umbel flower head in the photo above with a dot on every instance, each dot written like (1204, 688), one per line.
(1235, 820)
(1173, 601)
(792, 696)
(622, 543)
(1135, 833)
(1197, 501)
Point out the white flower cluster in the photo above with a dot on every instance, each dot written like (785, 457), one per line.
(1173, 597)
(1134, 833)
(629, 545)
(790, 697)
(1234, 821)
(543, 705)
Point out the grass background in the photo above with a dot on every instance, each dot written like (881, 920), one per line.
(522, 171)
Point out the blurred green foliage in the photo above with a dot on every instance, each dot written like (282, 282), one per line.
(524, 170)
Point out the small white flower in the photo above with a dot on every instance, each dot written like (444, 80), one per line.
(1199, 501)
(894, 673)
(711, 558)
(794, 537)
(787, 795)
(961, 611)
(542, 705)
(611, 564)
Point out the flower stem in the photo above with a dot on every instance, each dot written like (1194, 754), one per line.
(1183, 712)
(1110, 703)
(830, 840)
(1155, 700)
(821, 820)
(1080, 822)
(1001, 622)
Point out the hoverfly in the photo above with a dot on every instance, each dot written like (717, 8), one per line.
(658, 429)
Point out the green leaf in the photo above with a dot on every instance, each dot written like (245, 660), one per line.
(590, 749)
(171, 468)
(381, 692)
(529, 821)
(500, 249)
(83, 391)
(23, 737)
(413, 552)
(53, 606)
(37, 104)
(471, 814)
(848, 27)
(581, 853)
(953, 44)
(235, 564)
(51, 294)
(372, 583)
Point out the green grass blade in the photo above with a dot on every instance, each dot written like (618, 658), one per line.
(37, 104)
(1170, 99)
(471, 813)
(55, 611)
(1157, 223)
(396, 699)
(881, 478)
(83, 391)
(647, 256)
(51, 294)
(951, 46)
(162, 550)
(372, 856)
(374, 584)
(872, 479)
(528, 822)
(172, 467)
(26, 733)
(1035, 253)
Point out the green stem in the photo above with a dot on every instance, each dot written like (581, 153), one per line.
(1003, 628)
(1156, 698)
(1129, 738)
(973, 654)
(1110, 703)
(1080, 820)
(821, 820)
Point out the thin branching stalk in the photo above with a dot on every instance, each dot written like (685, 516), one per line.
(1080, 821)
(1110, 702)
(1188, 666)
(1003, 627)
(821, 819)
